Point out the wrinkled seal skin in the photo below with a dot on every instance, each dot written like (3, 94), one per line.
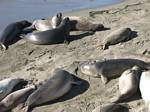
(7, 85)
(110, 68)
(15, 98)
(129, 83)
(112, 107)
(56, 86)
(12, 31)
(52, 36)
(116, 37)
(144, 88)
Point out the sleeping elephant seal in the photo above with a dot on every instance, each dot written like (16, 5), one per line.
(129, 83)
(7, 85)
(12, 31)
(144, 88)
(84, 24)
(52, 36)
(112, 107)
(110, 68)
(56, 86)
(116, 37)
(15, 98)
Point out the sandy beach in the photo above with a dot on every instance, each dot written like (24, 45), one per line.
(23, 59)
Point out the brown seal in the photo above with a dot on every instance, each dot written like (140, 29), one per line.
(116, 37)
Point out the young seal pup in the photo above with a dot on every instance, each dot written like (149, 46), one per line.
(129, 83)
(7, 85)
(112, 107)
(110, 68)
(116, 37)
(15, 98)
(12, 31)
(144, 88)
(56, 86)
(52, 36)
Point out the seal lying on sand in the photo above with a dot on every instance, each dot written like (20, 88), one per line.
(58, 85)
(52, 36)
(7, 85)
(46, 24)
(129, 83)
(12, 31)
(110, 68)
(15, 98)
(112, 107)
(116, 37)
(144, 88)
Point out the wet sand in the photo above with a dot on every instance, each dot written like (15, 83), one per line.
(24, 59)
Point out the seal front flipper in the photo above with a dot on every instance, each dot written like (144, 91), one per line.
(104, 79)
(3, 47)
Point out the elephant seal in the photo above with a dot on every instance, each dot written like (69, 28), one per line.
(83, 24)
(12, 31)
(116, 37)
(7, 85)
(42, 25)
(111, 107)
(110, 68)
(52, 36)
(15, 98)
(56, 20)
(129, 83)
(144, 88)
(56, 86)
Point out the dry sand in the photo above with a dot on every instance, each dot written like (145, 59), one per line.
(24, 59)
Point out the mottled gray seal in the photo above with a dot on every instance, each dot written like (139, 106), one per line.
(111, 107)
(116, 36)
(110, 68)
(15, 98)
(56, 86)
(144, 88)
(52, 36)
(12, 31)
(129, 83)
(7, 85)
